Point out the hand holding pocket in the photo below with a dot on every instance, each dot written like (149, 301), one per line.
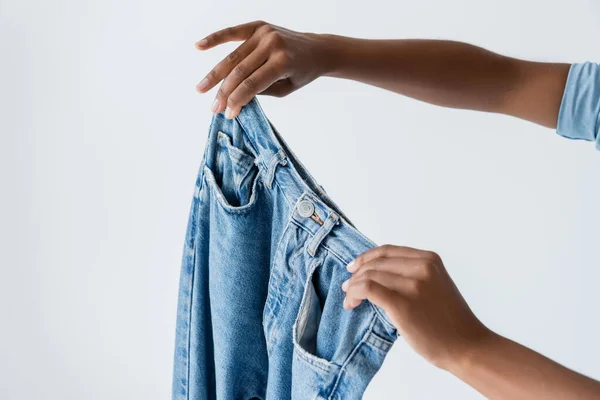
(422, 301)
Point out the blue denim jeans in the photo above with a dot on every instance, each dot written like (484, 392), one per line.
(260, 311)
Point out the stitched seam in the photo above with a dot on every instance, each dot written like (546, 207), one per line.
(270, 312)
(275, 161)
(276, 183)
(317, 364)
(246, 161)
(193, 273)
(309, 232)
(596, 128)
(246, 208)
(351, 356)
(322, 233)
(381, 343)
(189, 328)
(381, 317)
(262, 162)
(229, 145)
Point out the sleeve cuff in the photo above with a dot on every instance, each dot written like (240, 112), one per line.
(580, 106)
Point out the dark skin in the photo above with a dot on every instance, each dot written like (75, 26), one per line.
(413, 285)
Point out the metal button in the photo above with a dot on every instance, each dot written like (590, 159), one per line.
(306, 208)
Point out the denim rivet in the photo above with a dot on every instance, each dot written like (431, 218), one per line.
(306, 208)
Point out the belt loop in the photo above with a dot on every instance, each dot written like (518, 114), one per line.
(330, 222)
(277, 159)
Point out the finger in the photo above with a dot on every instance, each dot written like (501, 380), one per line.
(225, 66)
(388, 250)
(238, 74)
(398, 283)
(259, 80)
(373, 291)
(232, 33)
(281, 88)
(408, 267)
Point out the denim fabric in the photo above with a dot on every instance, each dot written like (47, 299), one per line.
(579, 115)
(260, 302)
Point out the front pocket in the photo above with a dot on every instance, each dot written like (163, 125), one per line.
(336, 352)
(306, 325)
(233, 174)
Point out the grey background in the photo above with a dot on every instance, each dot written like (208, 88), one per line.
(102, 134)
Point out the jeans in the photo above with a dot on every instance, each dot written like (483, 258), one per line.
(260, 311)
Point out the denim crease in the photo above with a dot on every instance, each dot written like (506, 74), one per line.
(260, 312)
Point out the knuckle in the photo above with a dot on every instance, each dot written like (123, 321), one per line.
(282, 59)
(434, 256)
(428, 269)
(239, 70)
(264, 29)
(234, 55)
(371, 265)
(274, 39)
(212, 75)
(368, 274)
(359, 260)
(232, 102)
(386, 249)
(249, 83)
(368, 285)
(416, 286)
(221, 93)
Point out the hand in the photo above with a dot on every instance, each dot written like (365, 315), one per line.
(272, 61)
(418, 295)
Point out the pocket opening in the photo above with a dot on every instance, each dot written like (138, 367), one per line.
(309, 319)
(233, 174)
(306, 325)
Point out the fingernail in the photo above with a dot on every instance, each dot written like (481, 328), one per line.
(345, 285)
(202, 85)
(201, 43)
(228, 113)
(350, 267)
(345, 303)
(215, 105)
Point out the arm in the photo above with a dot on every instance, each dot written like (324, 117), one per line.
(416, 292)
(452, 74)
(503, 369)
(277, 61)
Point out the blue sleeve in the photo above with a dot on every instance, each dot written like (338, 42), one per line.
(579, 113)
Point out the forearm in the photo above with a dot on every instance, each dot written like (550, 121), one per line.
(502, 369)
(451, 74)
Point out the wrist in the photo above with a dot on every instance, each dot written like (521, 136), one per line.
(471, 354)
(332, 53)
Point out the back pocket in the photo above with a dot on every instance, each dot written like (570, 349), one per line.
(234, 173)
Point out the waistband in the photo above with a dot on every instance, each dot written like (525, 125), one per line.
(313, 209)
